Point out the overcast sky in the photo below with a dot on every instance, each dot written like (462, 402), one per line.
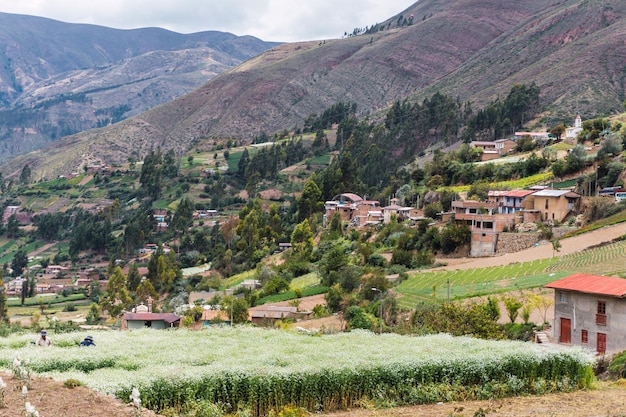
(270, 20)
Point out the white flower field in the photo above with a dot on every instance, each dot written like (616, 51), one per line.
(259, 369)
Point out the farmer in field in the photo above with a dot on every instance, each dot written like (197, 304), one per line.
(87, 342)
(43, 340)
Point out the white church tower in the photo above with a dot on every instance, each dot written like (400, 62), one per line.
(572, 132)
(578, 123)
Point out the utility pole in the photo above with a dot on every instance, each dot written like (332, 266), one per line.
(380, 310)
(231, 311)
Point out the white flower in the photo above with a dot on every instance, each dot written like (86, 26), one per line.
(135, 397)
(31, 411)
(24, 391)
(17, 361)
(3, 384)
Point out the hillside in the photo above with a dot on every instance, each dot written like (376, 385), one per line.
(59, 78)
(469, 49)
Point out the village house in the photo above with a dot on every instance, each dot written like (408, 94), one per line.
(346, 204)
(513, 201)
(266, 315)
(553, 205)
(485, 223)
(353, 209)
(142, 316)
(504, 146)
(590, 311)
(392, 210)
(493, 149)
(160, 216)
(488, 148)
(534, 135)
(56, 270)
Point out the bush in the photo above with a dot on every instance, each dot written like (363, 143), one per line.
(376, 259)
(69, 307)
(617, 367)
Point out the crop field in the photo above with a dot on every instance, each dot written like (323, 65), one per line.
(475, 282)
(513, 184)
(603, 260)
(261, 369)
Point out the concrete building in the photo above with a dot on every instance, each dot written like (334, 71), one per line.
(590, 311)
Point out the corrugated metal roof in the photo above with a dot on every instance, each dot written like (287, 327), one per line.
(591, 284)
(551, 193)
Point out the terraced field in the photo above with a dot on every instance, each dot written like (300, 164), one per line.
(463, 283)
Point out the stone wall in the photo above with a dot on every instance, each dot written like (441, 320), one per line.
(557, 232)
(515, 242)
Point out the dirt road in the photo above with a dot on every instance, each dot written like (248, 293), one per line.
(544, 250)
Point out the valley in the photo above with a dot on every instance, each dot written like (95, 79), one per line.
(342, 226)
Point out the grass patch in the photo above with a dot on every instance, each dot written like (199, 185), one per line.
(321, 160)
(309, 280)
(38, 300)
(239, 278)
(291, 295)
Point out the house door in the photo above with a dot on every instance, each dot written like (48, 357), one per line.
(566, 331)
(601, 343)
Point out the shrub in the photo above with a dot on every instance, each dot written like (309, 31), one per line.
(72, 383)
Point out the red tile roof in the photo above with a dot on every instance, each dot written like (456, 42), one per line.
(591, 284)
(518, 193)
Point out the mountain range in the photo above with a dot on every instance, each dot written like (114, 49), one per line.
(474, 50)
(60, 78)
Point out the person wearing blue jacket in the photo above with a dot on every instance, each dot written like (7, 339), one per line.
(87, 342)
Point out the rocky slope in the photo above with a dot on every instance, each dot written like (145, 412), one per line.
(58, 78)
(474, 50)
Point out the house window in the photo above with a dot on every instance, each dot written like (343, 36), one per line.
(584, 336)
(546, 203)
(563, 297)
(601, 314)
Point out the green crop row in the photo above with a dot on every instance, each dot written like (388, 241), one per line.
(403, 383)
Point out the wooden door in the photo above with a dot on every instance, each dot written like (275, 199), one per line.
(566, 331)
(601, 343)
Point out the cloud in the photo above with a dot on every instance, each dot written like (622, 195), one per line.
(279, 20)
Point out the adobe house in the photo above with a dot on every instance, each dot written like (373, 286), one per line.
(554, 205)
(590, 311)
(503, 146)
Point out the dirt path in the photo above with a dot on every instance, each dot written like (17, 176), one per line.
(608, 400)
(41, 249)
(544, 250)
